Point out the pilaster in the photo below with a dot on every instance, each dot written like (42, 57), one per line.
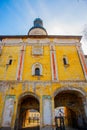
(82, 59)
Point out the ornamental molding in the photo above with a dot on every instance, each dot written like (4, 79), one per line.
(37, 50)
(12, 40)
(73, 82)
(45, 43)
(36, 84)
(29, 81)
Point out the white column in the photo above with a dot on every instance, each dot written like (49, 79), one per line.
(53, 113)
(47, 113)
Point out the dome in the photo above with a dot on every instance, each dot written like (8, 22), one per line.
(37, 28)
(38, 22)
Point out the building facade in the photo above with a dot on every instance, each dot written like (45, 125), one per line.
(43, 81)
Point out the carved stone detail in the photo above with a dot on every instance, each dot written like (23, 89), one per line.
(37, 50)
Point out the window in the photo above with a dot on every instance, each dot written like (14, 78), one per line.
(10, 61)
(65, 60)
(37, 71)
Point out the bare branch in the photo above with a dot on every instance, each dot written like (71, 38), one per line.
(85, 32)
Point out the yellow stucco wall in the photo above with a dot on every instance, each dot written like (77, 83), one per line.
(30, 59)
(72, 72)
(8, 72)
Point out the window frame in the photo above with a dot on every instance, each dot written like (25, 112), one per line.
(34, 66)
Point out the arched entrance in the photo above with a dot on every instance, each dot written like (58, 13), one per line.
(28, 113)
(69, 109)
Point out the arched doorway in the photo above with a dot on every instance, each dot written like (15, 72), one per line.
(69, 109)
(28, 113)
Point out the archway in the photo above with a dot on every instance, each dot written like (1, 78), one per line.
(28, 113)
(69, 106)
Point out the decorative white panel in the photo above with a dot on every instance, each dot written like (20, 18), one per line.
(47, 110)
(37, 50)
(8, 111)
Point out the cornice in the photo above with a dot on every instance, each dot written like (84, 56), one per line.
(52, 82)
(42, 36)
(43, 44)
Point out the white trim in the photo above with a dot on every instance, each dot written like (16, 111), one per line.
(43, 44)
(21, 96)
(51, 65)
(22, 64)
(53, 51)
(59, 90)
(19, 63)
(56, 66)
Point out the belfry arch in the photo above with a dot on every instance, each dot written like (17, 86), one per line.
(69, 104)
(28, 112)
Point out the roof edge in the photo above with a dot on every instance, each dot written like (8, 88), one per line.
(41, 36)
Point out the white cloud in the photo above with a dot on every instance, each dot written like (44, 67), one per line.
(58, 28)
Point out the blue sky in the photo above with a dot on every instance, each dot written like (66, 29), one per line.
(60, 17)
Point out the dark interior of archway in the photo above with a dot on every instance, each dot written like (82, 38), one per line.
(68, 98)
(73, 103)
(29, 102)
(29, 115)
(68, 117)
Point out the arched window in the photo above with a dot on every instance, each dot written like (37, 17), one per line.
(37, 71)
(10, 61)
(65, 60)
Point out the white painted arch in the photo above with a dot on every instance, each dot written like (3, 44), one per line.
(79, 91)
(23, 95)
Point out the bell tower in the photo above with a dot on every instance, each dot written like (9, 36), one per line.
(37, 28)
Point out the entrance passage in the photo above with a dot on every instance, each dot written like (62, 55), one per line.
(59, 118)
(31, 118)
(28, 114)
(69, 111)
(65, 117)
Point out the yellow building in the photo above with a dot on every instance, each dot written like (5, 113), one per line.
(46, 74)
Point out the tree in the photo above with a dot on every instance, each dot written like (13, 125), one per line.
(85, 32)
